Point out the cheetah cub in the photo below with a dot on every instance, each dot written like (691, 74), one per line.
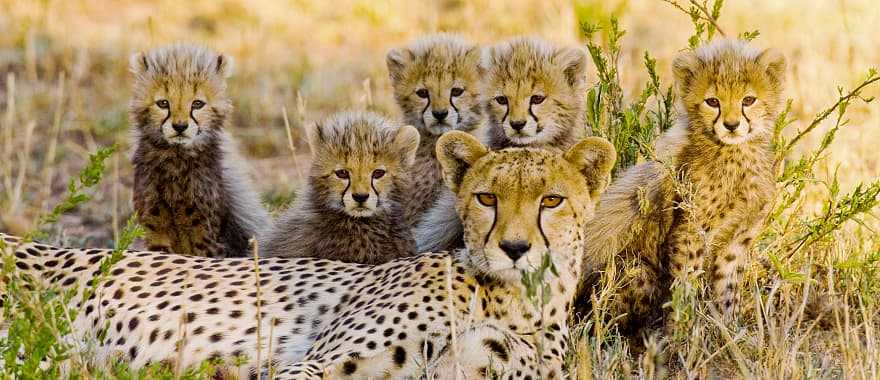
(189, 192)
(352, 208)
(729, 94)
(436, 82)
(535, 96)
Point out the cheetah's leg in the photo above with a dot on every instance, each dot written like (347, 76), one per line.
(639, 295)
(491, 352)
(728, 267)
(686, 246)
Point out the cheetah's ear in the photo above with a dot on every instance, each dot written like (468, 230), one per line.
(223, 66)
(138, 63)
(397, 60)
(594, 157)
(574, 65)
(683, 68)
(474, 56)
(315, 137)
(407, 143)
(457, 151)
(774, 62)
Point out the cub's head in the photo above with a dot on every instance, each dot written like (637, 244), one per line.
(436, 83)
(730, 91)
(360, 162)
(520, 204)
(535, 92)
(179, 94)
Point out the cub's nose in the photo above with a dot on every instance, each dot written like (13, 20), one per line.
(179, 127)
(440, 115)
(517, 125)
(515, 249)
(360, 198)
(731, 125)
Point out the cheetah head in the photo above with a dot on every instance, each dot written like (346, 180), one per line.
(360, 162)
(730, 91)
(179, 94)
(519, 205)
(436, 83)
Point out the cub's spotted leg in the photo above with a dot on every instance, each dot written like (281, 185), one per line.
(686, 247)
(728, 267)
(639, 294)
(489, 351)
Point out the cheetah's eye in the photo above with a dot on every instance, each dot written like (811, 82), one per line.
(422, 93)
(456, 91)
(162, 103)
(749, 100)
(378, 173)
(551, 201)
(486, 199)
(502, 100)
(713, 102)
(341, 173)
(197, 104)
(538, 99)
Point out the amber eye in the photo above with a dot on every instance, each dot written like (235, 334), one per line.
(502, 100)
(422, 93)
(537, 99)
(162, 103)
(487, 199)
(713, 102)
(551, 201)
(378, 173)
(456, 91)
(749, 100)
(341, 173)
(197, 104)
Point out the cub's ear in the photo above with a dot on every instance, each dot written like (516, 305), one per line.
(474, 57)
(593, 157)
(774, 63)
(223, 65)
(683, 68)
(138, 64)
(407, 143)
(315, 137)
(574, 65)
(397, 60)
(457, 151)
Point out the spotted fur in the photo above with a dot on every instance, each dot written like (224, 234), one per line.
(329, 219)
(436, 81)
(341, 320)
(190, 192)
(643, 218)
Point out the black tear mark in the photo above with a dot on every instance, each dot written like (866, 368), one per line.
(494, 220)
(342, 196)
(538, 127)
(457, 112)
(422, 115)
(373, 186)
(497, 348)
(167, 116)
(743, 112)
(718, 115)
(541, 230)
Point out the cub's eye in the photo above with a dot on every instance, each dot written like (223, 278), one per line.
(422, 93)
(749, 100)
(341, 173)
(502, 100)
(162, 103)
(378, 173)
(551, 201)
(487, 199)
(537, 99)
(713, 102)
(456, 91)
(197, 104)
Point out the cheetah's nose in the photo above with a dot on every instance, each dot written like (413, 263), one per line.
(517, 125)
(360, 197)
(179, 127)
(440, 115)
(515, 249)
(731, 125)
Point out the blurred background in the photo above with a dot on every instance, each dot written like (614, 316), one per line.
(64, 81)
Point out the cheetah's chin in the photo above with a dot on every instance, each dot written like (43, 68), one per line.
(361, 212)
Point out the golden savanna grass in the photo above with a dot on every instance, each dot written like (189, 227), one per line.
(810, 312)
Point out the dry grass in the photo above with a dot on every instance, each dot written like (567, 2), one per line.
(64, 89)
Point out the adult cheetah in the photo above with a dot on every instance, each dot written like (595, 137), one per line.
(338, 320)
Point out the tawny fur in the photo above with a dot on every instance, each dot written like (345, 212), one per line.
(325, 221)
(727, 177)
(436, 82)
(189, 191)
(542, 86)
